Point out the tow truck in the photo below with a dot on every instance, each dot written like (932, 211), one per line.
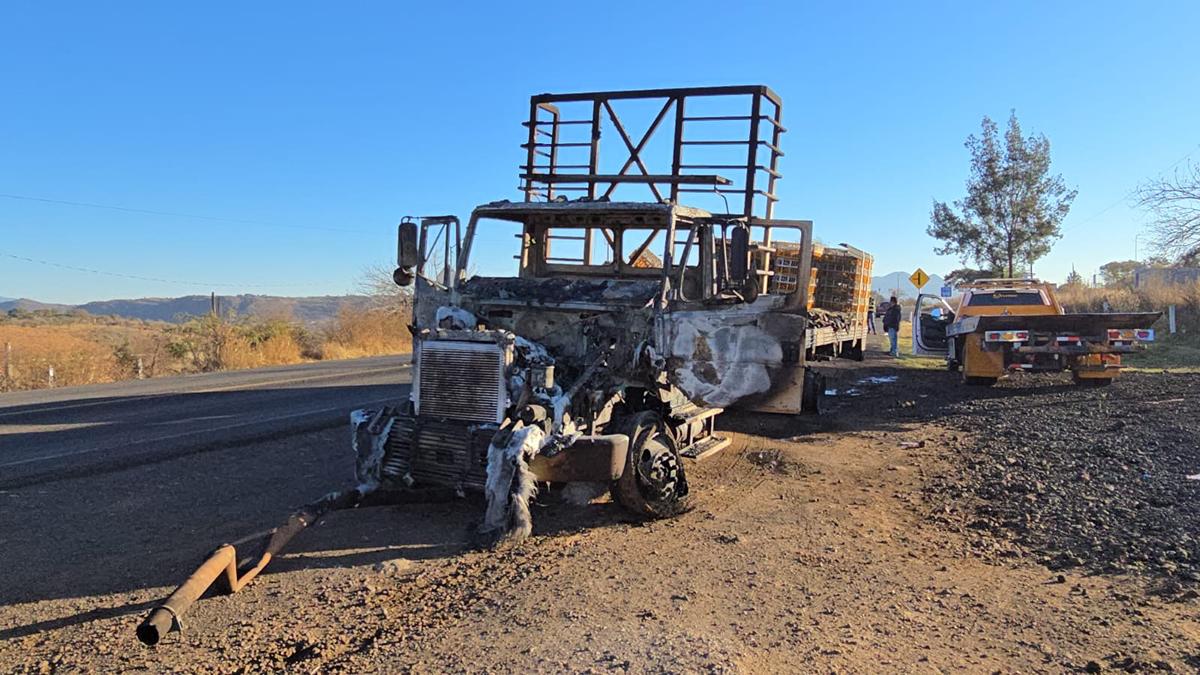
(1006, 325)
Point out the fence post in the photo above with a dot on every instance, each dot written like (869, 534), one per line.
(7, 365)
(49, 376)
(1171, 319)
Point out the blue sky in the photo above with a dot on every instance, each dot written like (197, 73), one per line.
(305, 130)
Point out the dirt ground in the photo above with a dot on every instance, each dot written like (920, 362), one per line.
(875, 538)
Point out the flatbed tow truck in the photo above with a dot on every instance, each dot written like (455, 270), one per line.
(1006, 325)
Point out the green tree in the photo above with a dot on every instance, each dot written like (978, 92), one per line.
(1119, 272)
(1014, 205)
(965, 275)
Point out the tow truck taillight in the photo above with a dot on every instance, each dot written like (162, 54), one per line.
(1006, 336)
(1131, 334)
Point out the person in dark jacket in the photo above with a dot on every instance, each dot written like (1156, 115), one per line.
(891, 325)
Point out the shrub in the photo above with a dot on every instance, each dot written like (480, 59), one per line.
(367, 332)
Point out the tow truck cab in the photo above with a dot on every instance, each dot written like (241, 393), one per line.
(932, 315)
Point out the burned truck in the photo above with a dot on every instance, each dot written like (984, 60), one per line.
(628, 326)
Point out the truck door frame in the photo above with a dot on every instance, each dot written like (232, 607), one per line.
(919, 347)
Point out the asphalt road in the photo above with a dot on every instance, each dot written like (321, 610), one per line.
(56, 433)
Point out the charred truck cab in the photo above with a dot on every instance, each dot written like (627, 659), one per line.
(627, 329)
(605, 367)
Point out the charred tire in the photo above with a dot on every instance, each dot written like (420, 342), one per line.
(653, 484)
(813, 392)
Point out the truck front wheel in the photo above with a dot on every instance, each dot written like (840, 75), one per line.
(653, 484)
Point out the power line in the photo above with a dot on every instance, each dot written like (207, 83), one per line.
(1129, 194)
(204, 284)
(172, 214)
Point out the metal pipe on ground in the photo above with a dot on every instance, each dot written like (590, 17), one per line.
(166, 617)
(223, 561)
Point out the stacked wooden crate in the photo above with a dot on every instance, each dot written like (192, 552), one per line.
(839, 279)
(843, 281)
(785, 265)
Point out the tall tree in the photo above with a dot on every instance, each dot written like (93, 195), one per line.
(965, 275)
(1014, 205)
(1175, 205)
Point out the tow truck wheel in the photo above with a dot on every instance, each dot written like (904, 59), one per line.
(1091, 381)
(976, 381)
(653, 484)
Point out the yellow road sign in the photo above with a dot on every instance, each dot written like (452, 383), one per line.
(919, 278)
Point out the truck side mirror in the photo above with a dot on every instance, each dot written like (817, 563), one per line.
(407, 255)
(739, 254)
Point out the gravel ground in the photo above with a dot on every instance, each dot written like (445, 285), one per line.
(1091, 478)
(887, 536)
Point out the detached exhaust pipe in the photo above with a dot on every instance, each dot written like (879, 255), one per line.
(223, 561)
(165, 618)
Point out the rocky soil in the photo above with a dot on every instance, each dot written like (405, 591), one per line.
(920, 526)
(1093, 478)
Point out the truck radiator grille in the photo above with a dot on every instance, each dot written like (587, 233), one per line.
(441, 453)
(461, 381)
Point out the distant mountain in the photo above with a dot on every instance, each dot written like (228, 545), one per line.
(32, 305)
(309, 310)
(886, 284)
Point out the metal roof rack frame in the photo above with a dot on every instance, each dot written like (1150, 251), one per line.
(753, 160)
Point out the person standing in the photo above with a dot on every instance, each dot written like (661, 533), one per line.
(891, 325)
(871, 315)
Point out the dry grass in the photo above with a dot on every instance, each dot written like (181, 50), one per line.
(1152, 298)
(89, 350)
(75, 360)
(367, 332)
(80, 353)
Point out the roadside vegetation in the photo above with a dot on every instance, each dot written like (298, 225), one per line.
(43, 348)
(1178, 352)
